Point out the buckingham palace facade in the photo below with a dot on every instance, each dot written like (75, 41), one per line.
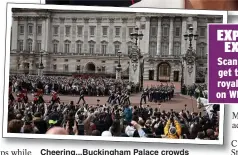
(71, 42)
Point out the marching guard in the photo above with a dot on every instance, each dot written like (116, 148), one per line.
(81, 97)
(143, 97)
(55, 98)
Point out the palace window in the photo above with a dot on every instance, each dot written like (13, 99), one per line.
(78, 68)
(38, 46)
(103, 68)
(117, 46)
(104, 30)
(21, 29)
(55, 30)
(202, 32)
(153, 31)
(177, 32)
(20, 45)
(130, 31)
(79, 45)
(104, 48)
(55, 47)
(66, 67)
(39, 29)
(117, 31)
(165, 49)
(177, 49)
(153, 49)
(67, 30)
(54, 67)
(165, 31)
(29, 45)
(91, 47)
(80, 30)
(67, 46)
(202, 51)
(30, 29)
(129, 47)
(92, 31)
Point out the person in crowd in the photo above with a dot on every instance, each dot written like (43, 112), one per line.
(172, 128)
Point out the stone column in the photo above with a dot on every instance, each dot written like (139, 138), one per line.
(34, 40)
(98, 35)
(14, 34)
(159, 37)
(74, 34)
(47, 35)
(194, 42)
(86, 35)
(25, 34)
(111, 36)
(184, 30)
(61, 35)
(171, 35)
(124, 36)
(146, 36)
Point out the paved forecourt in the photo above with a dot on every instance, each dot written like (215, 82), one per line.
(177, 103)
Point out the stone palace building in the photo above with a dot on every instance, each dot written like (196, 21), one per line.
(73, 42)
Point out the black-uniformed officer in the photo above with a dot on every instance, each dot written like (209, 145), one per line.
(143, 97)
(81, 97)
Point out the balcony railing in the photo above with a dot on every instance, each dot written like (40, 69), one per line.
(69, 73)
(89, 54)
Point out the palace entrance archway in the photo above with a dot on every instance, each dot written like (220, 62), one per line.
(163, 72)
(90, 67)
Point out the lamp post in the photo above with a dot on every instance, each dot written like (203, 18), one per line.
(190, 36)
(190, 56)
(182, 75)
(119, 59)
(118, 68)
(136, 57)
(136, 35)
(41, 66)
(206, 73)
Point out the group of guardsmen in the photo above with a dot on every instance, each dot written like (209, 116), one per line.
(119, 97)
(195, 90)
(161, 93)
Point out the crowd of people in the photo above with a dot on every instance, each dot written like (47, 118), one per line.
(107, 120)
(90, 86)
(115, 120)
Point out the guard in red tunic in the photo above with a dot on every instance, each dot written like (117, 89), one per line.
(24, 95)
(40, 96)
(55, 98)
(20, 97)
(36, 98)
